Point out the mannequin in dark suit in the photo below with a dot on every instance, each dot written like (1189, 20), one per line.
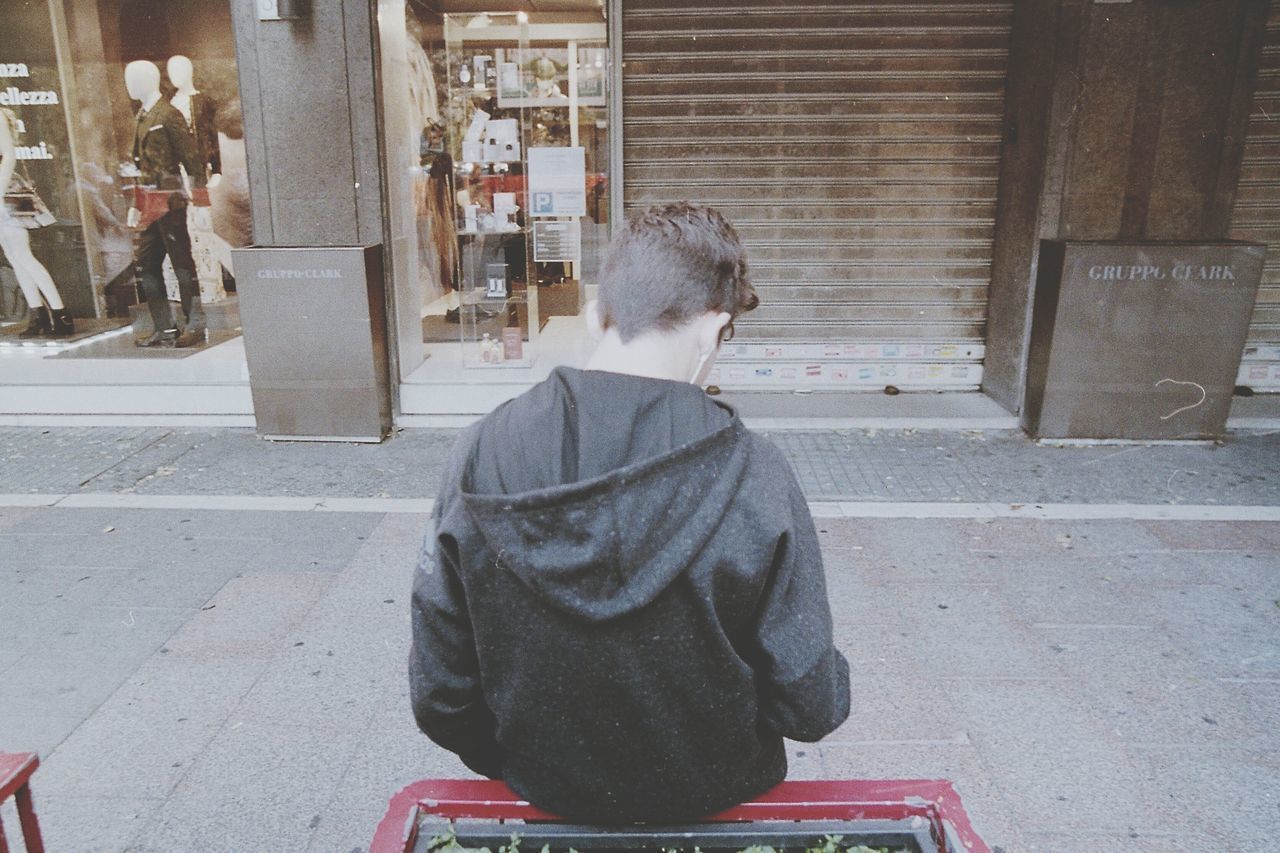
(162, 148)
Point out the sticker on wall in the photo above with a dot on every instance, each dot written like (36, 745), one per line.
(840, 373)
(773, 352)
(788, 373)
(813, 370)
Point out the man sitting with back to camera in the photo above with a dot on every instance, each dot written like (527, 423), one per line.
(620, 609)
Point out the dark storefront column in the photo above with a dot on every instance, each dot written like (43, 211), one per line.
(311, 125)
(1123, 121)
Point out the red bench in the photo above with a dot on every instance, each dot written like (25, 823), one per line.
(931, 808)
(15, 781)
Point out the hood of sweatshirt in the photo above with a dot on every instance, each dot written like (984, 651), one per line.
(599, 517)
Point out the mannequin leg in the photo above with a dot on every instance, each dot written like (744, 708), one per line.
(177, 244)
(149, 260)
(16, 244)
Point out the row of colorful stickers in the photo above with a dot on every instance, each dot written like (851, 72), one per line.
(874, 351)
(874, 374)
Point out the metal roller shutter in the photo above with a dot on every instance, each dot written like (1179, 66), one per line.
(856, 147)
(1256, 215)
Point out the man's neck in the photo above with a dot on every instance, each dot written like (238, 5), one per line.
(150, 101)
(654, 356)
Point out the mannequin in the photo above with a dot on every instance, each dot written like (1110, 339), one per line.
(162, 147)
(199, 111)
(48, 316)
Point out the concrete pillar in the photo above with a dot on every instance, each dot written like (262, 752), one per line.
(307, 91)
(1123, 121)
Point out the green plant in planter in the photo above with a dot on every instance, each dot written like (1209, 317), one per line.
(447, 842)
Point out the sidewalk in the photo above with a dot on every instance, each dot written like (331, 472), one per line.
(233, 679)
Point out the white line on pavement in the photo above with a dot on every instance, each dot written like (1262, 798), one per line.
(820, 509)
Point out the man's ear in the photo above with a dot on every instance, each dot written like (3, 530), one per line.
(709, 331)
(595, 326)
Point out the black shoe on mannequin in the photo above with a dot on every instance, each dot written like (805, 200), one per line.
(38, 325)
(165, 339)
(63, 327)
(190, 338)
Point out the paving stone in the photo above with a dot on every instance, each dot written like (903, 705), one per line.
(27, 727)
(257, 786)
(145, 736)
(1231, 795)
(1191, 711)
(959, 764)
(251, 617)
(184, 587)
(58, 460)
(98, 824)
(1214, 535)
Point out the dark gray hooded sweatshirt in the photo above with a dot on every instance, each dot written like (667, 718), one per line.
(620, 609)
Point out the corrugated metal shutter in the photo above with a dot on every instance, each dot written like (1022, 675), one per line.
(1256, 215)
(856, 147)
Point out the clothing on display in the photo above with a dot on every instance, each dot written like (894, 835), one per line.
(200, 115)
(163, 147)
(48, 316)
(161, 143)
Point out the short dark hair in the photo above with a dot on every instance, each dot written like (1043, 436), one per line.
(670, 264)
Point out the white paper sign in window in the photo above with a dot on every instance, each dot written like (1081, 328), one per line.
(558, 181)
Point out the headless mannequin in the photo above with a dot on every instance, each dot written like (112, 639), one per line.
(163, 150)
(48, 316)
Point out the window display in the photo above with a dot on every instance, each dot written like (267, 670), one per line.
(135, 148)
(512, 190)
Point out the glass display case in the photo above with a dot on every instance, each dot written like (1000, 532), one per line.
(487, 138)
(524, 138)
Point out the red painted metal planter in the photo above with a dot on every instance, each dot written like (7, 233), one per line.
(15, 781)
(910, 814)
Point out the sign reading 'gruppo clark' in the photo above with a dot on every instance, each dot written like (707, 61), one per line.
(1138, 340)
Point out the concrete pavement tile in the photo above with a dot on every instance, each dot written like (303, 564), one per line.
(11, 517)
(1098, 595)
(251, 616)
(8, 659)
(65, 631)
(806, 761)
(28, 728)
(959, 764)
(1215, 535)
(1122, 653)
(1130, 842)
(391, 754)
(1232, 794)
(949, 631)
(256, 787)
(50, 685)
(1228, 632)
(1044, 537)
(184, 587)
(108, 550)
(897, 710)
(1070, 780)
(91, 824)
(1257, 570)
(1180, 710)
(143, 739)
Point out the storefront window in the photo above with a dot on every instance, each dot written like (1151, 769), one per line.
(124, 122)
(510, 194)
